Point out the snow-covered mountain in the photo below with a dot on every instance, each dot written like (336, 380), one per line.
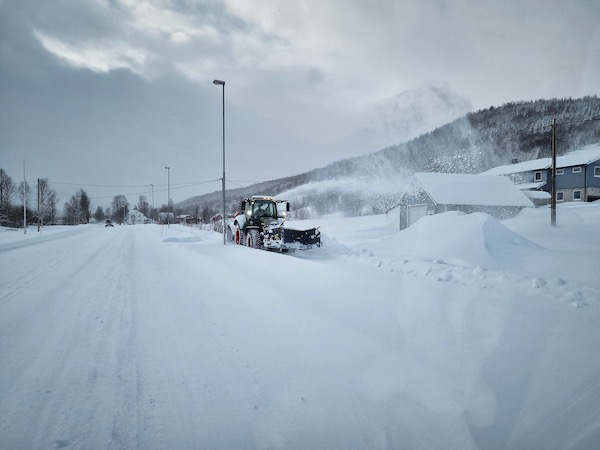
(472, 143)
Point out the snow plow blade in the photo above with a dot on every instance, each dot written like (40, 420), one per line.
(301, 239)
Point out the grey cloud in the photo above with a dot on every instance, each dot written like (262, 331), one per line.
(302, 77)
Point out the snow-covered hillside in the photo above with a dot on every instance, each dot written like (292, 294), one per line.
(459, 332)
(472, 143)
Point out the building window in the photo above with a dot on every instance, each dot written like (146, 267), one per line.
(597, 171)
(576, 195)
(560, 171)
(537, 176)
(559, 197)
(576, 169)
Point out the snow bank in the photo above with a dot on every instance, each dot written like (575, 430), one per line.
(473, 239)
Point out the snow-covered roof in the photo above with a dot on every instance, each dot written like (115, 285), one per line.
(525, 166)
(476, 190)
(537, 195)
(530, 186)
(584, 156)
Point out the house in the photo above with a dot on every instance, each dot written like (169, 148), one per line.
(434, 193)
(134, 216)
(185, 219)
(577, 175)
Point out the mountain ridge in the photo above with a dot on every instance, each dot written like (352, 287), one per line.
(472, 143)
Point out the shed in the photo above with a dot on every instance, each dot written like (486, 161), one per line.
(440, 192)
(185, 219)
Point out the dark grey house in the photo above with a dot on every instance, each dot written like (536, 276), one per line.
(434, 193)
(577, 175)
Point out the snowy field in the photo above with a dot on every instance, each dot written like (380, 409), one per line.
(460, 332)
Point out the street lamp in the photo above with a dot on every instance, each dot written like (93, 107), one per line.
(222, 84)
(168, 195)
(152, 212)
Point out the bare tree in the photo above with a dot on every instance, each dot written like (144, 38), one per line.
(143, 206)
(47, 201)
(99, 214)
(120, 207)
(72, 211)
(206, 214)
(7, 189)
(84, 206)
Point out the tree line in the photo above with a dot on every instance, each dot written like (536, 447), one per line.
(14, 195)
(77, 210)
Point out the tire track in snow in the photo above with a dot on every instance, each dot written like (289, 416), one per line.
(63, 403)
(40, 263)
(42, 239)
(72, 383)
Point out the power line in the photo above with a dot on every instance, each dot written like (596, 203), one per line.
(69, 183)
(156, 190)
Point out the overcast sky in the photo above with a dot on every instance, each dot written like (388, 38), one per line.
(109, 91)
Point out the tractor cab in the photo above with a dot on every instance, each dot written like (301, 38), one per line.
(263, 209)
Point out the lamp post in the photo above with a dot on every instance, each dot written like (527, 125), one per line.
(168, 195)
(553, 201)
(152, 213)
(25, 200)
(222, 84)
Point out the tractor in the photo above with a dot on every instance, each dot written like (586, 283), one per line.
(260, 224)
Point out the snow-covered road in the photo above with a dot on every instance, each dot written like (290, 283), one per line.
(142, 337)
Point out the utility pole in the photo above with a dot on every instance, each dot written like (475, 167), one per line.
(222, 84)
(553, 204)
(24, 201)
(168, 196)
(152, 199)
(38, 206)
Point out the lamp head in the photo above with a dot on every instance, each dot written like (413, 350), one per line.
(219, 82)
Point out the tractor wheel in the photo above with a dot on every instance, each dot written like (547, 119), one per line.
(254, 239)
(238, 235)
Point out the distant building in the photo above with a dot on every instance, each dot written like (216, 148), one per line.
(434, 193)
(577, 176)
(185, 219)
(134, 216)
(166, 217)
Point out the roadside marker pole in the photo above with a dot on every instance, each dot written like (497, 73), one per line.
(152, 201)
(38, 206)
(24, 201)
(168, 195)
(553, 204)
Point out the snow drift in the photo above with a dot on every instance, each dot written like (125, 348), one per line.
(475, 239)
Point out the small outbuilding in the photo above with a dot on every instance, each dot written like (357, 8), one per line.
(434, 193)
(185, 219)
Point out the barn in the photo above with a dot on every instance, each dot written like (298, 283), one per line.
(433, 193)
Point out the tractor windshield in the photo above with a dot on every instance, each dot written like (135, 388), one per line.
(264, 208)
